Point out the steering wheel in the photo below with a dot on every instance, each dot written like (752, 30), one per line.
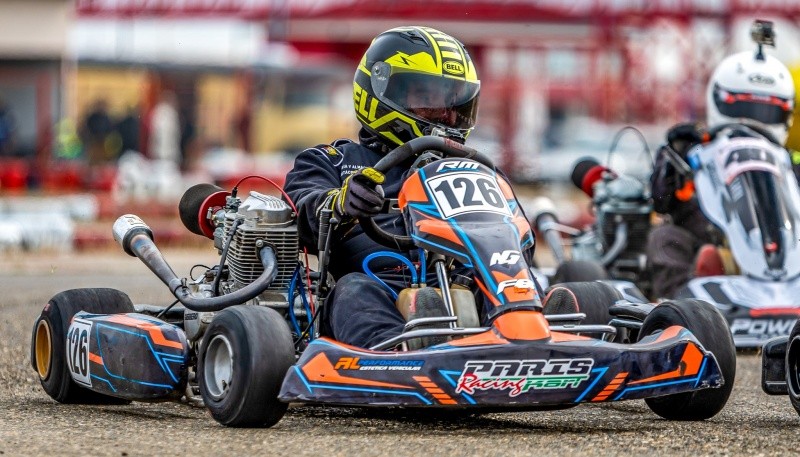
(748, 128)
(445, 146)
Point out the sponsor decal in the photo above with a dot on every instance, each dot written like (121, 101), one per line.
(762, 327)
(520, 376)
(457, 164)
(758, 78)
(349, 168)
(78, 351)
(454, 68)
(507, 257)
(357, 363)
(520, 285)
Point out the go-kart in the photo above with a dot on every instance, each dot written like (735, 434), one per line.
(612, 248)
(246, 341)
(746, 187)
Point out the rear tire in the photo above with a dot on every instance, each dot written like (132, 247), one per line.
(793, 366)
(245, 355)
(593, 299)
(579, 270)
(48, 342)
(709, 327)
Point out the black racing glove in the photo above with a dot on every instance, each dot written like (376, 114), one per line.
(681, 137)
(361, 194)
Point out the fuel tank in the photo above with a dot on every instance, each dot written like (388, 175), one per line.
(130, 356)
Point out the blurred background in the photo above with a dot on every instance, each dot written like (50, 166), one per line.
(116, 106)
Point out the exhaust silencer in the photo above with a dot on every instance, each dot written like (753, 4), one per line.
(136, 239)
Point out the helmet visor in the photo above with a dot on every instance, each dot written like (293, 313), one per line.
(766, 109)
(434, 98)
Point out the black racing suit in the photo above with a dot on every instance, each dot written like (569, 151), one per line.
(359, 311)
(672, 246)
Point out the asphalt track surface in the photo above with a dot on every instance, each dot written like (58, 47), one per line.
(752, 423)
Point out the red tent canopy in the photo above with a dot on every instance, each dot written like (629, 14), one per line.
(457, 10)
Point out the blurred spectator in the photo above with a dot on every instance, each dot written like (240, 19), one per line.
(95, 132)
(8, 127)
(555, 131)
(241, 129)
(68, 143)
(165, 130)
(189, 141)
(128, 130)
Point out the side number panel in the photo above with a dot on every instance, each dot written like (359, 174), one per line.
(78, 351)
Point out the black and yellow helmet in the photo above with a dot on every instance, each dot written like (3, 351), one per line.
(412, 80)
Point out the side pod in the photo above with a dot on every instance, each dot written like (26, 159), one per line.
(131, 356)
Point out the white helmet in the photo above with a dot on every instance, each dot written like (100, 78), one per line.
(751, 87)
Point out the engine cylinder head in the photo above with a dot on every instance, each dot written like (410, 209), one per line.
(269, 220)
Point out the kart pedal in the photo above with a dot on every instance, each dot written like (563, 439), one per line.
(627, 310)
(427, 303)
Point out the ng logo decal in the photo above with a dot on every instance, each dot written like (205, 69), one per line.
(454, 68)
(504, 258)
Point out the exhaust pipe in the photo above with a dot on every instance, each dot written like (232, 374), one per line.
(136, 239)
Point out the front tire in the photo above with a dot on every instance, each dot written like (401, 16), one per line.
(48, 342)
(709, 327)
(244, 357)
(793, 366)
(592, 298)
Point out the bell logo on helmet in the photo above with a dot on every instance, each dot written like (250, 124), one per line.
(757, 78)
(454, 68)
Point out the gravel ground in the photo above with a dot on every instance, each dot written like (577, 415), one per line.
(752, 423)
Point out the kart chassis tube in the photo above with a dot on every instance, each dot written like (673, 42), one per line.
(143, 247)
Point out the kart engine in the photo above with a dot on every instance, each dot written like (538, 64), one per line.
(258, 221)
(622, 208)
(240, 230)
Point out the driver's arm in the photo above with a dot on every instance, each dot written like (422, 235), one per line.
(308, 184)
(663, 183)
(666, 182)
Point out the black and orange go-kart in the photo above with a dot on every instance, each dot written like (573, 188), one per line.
(244, 338)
